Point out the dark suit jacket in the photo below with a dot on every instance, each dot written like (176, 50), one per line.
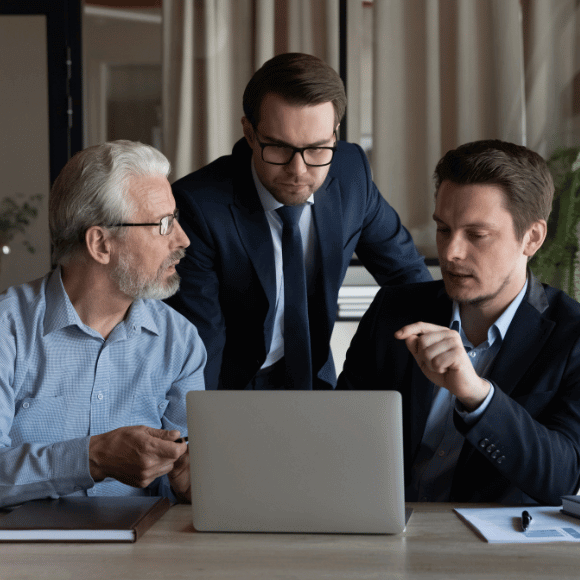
(228, 283)
(534, 416)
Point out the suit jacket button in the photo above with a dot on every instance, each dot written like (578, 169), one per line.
(490, 448)
(495, 454)
(484, 443)
(500, 459)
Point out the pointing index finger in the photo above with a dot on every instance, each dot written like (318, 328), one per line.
(415, 329)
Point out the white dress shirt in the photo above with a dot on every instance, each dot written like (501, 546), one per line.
(308, 231)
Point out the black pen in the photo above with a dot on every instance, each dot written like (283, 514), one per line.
(526, 520)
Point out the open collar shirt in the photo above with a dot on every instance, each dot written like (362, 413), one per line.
(61, 382)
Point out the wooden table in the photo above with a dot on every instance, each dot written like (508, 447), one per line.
(436, 545)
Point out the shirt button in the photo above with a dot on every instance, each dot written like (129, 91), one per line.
(100, 396)
(160, 405)
(472, 354)
(25, 405)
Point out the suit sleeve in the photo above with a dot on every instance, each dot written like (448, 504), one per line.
(198, 298)
(385, 246)
(534, 440)
(374, 356)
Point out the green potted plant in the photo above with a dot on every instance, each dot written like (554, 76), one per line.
(556, 262)
(15, 217)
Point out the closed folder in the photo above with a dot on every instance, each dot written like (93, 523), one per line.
(82, 519)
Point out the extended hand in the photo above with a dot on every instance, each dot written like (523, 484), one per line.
(441, 356)
(134, 455)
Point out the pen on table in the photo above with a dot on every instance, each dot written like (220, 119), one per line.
(182, 439)
(526, 520)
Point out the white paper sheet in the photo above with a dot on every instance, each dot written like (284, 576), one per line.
(503, 525)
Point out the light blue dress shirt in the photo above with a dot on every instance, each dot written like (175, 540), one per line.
(307, 229)
(61, 382)
(432, 471)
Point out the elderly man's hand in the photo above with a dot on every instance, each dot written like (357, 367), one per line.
(179, 478)
(441, 356)
(136, 455)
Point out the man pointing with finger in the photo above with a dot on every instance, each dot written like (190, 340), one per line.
(94, 368)
(488, 359)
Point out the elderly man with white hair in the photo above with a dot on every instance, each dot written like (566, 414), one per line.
(94, 368)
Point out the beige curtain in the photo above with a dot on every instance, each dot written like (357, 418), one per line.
(211, 48)
(423, 76)
(445, 72)
(551, 31)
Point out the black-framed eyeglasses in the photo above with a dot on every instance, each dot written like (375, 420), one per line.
(283, 154)
(165, 223)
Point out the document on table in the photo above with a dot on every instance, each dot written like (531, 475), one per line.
(503, 525)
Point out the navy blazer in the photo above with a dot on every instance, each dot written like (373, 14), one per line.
(228, 286)
(526, 445)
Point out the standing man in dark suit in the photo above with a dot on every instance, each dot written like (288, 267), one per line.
(488, 360)
(262, 294)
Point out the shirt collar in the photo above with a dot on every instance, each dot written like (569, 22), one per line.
(499, 328)
(267, 199)
(60, 312)
(139, 316)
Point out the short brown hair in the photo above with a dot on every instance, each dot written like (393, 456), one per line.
(300, 79)
(522, 174)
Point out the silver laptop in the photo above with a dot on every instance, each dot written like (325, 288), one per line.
(296, 461)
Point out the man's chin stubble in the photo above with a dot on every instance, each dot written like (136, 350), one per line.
(131, 285)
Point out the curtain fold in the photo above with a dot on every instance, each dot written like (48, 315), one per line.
(265, 11)
(431, 74)
(552, 69)
(211, 48)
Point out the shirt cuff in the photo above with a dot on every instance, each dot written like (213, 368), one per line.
(471, 418)
(72, 460)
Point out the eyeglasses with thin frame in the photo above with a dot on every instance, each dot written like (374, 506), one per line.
(165, 223)
(275, 154)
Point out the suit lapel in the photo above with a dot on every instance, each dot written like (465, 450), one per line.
(251, 223)
(526, 336)
(327, 214)
(421, 400)
(422, 391)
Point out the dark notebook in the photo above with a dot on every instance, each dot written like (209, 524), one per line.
(82, 519)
